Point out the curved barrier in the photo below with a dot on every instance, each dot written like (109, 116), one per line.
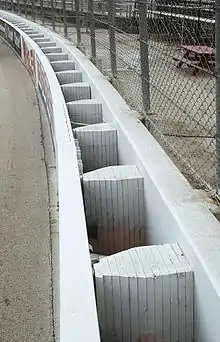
(173, 212)
(77, 300)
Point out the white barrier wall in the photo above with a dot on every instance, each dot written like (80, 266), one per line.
(77, 308)
(173, 212)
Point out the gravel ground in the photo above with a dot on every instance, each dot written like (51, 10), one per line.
(25, 285)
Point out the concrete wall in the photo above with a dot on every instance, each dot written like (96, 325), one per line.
(77, 320)
(173, 211)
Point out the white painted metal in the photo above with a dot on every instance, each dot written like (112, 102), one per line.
(62, 65)
(116, 215)
(51, 50)
(41, 40)
(35, 35)
(76, 91)
(69, 76)
(86, 111)
(28, 31)
(99, 145)
(56, 56)
(46, 44)
(150, 309)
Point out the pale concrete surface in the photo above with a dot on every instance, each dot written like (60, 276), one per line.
(25, 263)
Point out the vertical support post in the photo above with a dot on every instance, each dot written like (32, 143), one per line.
(92, 29)
(33, 10)
(82, 6)
(78, 31)
(130, 11)
(18, 7)
(217, 69)
(183, 23)
(103, 5)
(25, 8)
(42, 11)
(12, 5)
(64, 18)
(198, 30)
(52, 14)
(144, 56)
(111, 30)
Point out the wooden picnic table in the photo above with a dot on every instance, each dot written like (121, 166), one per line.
(197, 56)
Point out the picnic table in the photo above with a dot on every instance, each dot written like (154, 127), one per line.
(196, 56)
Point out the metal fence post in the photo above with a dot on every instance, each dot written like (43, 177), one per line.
(144, 56)
(64, 18)
(111, 30)
(12, 5)
(25, 8)
(52, 14)
(78, 31)
(92, 30)
(42, 10)
(18, 7)
(217, 69)
(33, 10)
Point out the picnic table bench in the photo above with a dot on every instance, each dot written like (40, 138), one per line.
(196, 56)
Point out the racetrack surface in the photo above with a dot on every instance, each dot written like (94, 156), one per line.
(25, 256)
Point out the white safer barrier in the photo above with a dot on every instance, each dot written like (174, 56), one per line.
(173, 212)
(77, 319)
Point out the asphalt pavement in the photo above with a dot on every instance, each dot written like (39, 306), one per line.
(25, 257)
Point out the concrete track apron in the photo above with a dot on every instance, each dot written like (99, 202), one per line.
(25, 272)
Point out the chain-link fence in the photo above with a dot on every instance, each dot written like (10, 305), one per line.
(161, 55)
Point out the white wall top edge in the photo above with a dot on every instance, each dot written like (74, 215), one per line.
(78, 316)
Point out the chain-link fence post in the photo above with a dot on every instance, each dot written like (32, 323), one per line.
(92, 30)
(33, 14)
(78, 28)
(12, 5)
(42, 11)
(217, 68)
(18, 7)
(25, 8)
(144, 56)
(64, 18)
(111, 26)
(52, 14)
